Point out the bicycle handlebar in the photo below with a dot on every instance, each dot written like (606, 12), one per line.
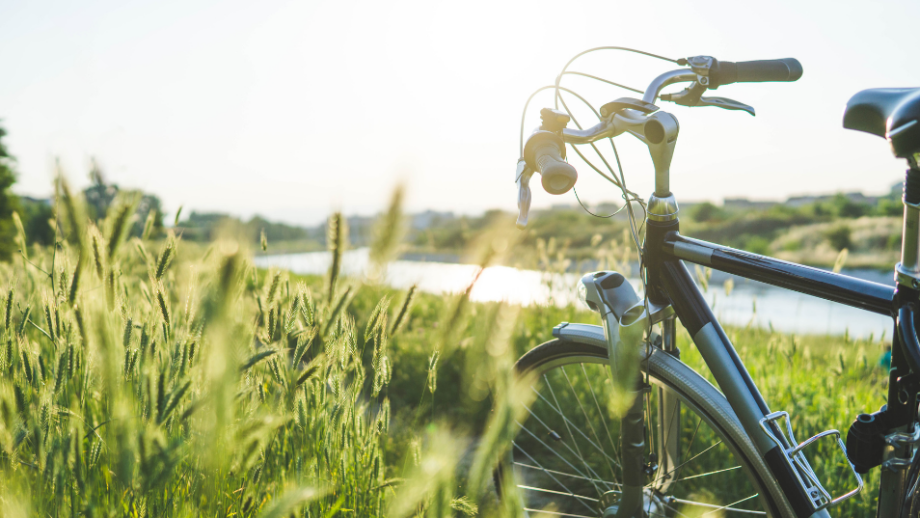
(556, 175)
(727, 72)
(545, 152)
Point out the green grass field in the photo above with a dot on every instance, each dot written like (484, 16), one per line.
(144, 378)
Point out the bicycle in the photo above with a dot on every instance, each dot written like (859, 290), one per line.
(570, 459)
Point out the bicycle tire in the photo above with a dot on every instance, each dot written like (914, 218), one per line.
(697, 395)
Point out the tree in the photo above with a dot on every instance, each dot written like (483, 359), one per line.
(36, 219)
(100, 195)
(8, 202)
(706, 211)
(847, 208)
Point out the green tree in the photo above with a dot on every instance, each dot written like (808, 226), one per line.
(8, 201)
(706, 211)
(36, 220)
(100, 195)
(847, 208)
(840, 237)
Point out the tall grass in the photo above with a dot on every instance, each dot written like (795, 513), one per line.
(186, 382)
(114, 401)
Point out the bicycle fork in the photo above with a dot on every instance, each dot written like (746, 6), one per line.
(627, 321)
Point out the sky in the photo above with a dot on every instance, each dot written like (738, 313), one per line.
(294, 109)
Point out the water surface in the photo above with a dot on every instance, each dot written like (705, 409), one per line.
(750, 302)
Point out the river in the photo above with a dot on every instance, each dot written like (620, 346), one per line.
(749, 302)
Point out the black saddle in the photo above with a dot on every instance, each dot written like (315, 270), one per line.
(891, 113)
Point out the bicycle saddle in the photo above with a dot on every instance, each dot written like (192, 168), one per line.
(891, 113)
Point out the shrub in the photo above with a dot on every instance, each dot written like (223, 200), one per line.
(840, 237)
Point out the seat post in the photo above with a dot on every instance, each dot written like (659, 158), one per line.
(907, 272)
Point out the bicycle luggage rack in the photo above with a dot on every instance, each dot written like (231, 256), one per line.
(820, 497)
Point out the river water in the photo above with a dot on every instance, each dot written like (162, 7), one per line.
(749, 302)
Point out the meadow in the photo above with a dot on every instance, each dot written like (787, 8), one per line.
(149, 377)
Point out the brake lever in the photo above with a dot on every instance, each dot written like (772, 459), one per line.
(693, 96)
(726, 103)
(522, 179)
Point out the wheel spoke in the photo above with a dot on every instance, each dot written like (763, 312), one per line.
(550, 475)
(564, 459)
(585, 414)
(722, 507)
(598, 448)
(550, 448)
(569, 428)
(521, 464)
(667, 434)
(540, 511)
(573, 495)
(707, 474)
(694, 458)
(597, 405)
(674, 509)
(690, 444)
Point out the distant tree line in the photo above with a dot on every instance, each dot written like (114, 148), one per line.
(37, 215)
(205, 226)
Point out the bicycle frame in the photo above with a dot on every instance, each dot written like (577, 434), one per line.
(669, 281)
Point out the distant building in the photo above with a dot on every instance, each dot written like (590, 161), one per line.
(563, 207)
(855, 197)
(746, 204)
(429, 218)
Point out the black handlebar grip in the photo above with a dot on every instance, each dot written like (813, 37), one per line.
(726, 72)
(557, 176)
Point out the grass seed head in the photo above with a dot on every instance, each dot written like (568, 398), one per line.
(403, 314)
(388, 234)
(118, 221)
(9, 309)
(20, 235)
(336, 241)
(149, 224)
(164, 308)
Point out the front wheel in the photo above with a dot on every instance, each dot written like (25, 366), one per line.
(568, 456)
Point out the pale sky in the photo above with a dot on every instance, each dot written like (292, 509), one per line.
(294, 109)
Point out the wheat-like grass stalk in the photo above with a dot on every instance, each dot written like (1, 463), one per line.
(304, 340)
(433, 371)
(118, 222)
(73, 209)
(75, 280)
(21, 235)
(273, 288)
(388, 233)
(403, 315)
(98, 256)
(148, 224)
(126, 334)
(9, 309)
(336, 238)
(24, 320)
(50, 320)
(165, 259)
(110, 290)
(161, 303)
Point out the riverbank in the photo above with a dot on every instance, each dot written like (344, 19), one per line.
(735, 301)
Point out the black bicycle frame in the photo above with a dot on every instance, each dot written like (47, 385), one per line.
(669, 281)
